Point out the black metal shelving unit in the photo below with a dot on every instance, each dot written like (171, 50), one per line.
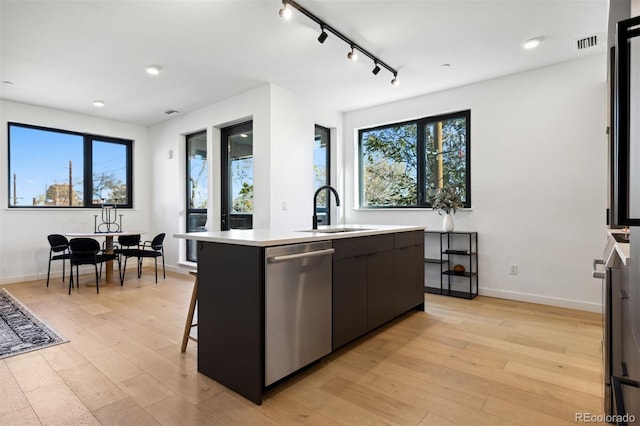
(456, 248)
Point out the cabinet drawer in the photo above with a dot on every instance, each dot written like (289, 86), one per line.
(408, 239)
(358, 246)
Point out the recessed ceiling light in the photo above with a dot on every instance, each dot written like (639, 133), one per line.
(153, 69)
(98, 104)
(445, 65)
(8, 82)
(532, 43)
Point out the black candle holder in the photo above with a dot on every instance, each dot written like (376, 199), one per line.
(109, 217)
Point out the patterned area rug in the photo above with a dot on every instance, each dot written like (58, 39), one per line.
(21, 330)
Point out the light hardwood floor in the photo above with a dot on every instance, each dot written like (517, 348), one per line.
(486, 361)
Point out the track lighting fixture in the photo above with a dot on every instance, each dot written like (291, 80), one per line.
(285, 12)
(323, 35)
(353, 55)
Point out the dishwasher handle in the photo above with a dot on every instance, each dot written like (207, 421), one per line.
(286, 257)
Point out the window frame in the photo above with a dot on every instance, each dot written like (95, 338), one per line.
(422, 191)
(226, 205)
(328, 166)
(191, 251)
(87, 166)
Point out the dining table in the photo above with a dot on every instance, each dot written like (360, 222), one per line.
(108, 246)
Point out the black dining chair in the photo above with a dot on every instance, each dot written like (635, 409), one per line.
(58, 244)
(155, 249)
(128, 246)
(86, 251)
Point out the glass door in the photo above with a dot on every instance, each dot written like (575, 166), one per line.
(237, 177)
(197, 191)
(321, 172)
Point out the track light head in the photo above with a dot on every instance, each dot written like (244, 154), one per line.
(285, 12)
(376, 69)
(323, 36)
(395, 82)
(353, 55)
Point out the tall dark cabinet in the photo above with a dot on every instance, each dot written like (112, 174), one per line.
(626, 390)
(375, 279)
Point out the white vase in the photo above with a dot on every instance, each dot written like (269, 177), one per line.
(447, 222)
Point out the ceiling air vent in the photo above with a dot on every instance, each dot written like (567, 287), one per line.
(587, 42)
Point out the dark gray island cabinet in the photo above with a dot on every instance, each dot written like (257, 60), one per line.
(375, 279)
(376, 275)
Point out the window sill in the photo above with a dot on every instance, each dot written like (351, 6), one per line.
(63, 209)
(409, 209)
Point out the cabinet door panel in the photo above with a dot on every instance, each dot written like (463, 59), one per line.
(408, 278)
(230, 317)
(380, 289)
(349, 299)
(359, 246)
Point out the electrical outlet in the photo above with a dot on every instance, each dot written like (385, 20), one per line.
(284, 205)
(513, 269)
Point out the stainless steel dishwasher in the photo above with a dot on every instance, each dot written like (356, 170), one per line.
(297, 307)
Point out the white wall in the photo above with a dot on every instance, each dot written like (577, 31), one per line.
(24, 250)
(538, 174)
(293, 129)
(169, 187)
(283, 134)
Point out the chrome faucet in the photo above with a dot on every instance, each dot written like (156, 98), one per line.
(315, 202)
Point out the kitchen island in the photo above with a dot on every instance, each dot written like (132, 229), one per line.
(272, 302)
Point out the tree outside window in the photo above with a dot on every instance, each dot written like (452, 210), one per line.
(400, 163)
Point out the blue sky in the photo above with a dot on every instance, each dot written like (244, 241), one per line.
(40, 158)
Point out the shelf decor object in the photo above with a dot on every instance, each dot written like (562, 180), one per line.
(446, 200)
(447, 222)
(459, 269)
(458, 263)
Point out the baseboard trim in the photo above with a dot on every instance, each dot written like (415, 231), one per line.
(542, 300)
(57, 275)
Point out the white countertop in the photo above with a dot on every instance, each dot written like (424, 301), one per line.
(271, 237)
(621, 249)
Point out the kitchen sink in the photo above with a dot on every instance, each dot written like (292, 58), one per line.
(335, 230)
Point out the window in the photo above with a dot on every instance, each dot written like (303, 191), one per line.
(197, 187)
(237, 176)
(58, 168)
(321, 156)
(401, 162)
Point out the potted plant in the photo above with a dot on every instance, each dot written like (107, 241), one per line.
(446, 200)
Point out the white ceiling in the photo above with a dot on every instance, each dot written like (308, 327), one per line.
(65, 54)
